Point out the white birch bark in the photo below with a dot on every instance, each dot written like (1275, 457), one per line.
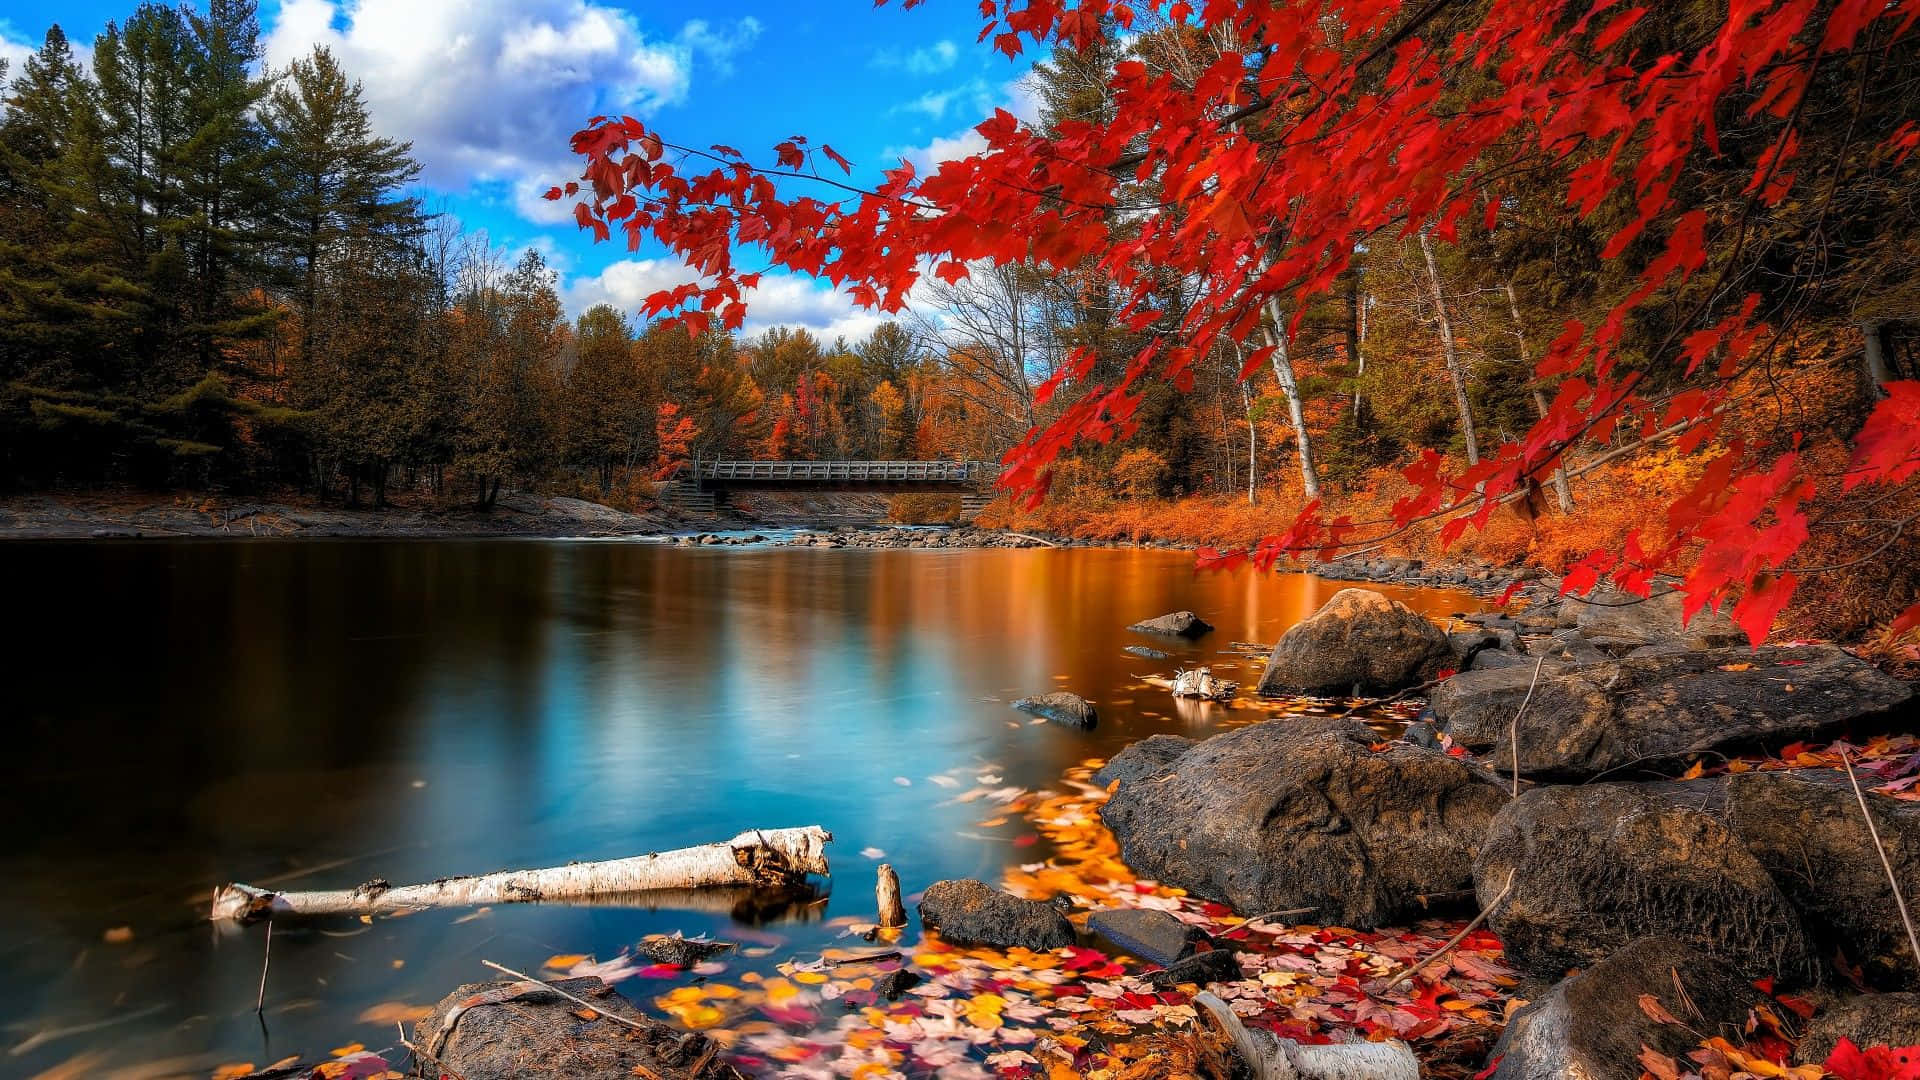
(1451, 355)
(759, 857)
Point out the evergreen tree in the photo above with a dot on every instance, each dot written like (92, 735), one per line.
(333, 177)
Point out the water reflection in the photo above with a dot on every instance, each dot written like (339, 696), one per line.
(314, 714)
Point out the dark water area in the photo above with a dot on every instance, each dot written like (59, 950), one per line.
(313, 714)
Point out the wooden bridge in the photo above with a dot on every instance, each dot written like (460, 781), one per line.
(704, 485)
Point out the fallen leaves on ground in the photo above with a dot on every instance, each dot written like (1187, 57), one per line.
(1886, 764)
(1078, 1012)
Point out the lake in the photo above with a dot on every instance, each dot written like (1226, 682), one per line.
(314, 714)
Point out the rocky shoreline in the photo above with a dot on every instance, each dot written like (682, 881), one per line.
(1580, 782)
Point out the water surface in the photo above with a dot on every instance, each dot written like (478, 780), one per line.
(312, 714)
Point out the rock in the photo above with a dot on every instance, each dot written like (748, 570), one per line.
(1184, 624)
(1591, 1027)
(1305, 814)
(968, 912)
(1151, 756)
(1150, 935)
(677, 951)
(1805, 827)
(1145, 653)
(1061, 707)
(1595, 867)
(1201, 969)
(1361, 639)
(1866, 1020)
(897, 982)
(1616, 622)
(1421, 733)
(1659, 711)
(538, 1035)
(1570, 646)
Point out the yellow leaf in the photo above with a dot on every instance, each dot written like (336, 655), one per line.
(350, 1048)
(230, 1072)
(388, 1013)
(1694, 772)
(566, 960)
(118, 935)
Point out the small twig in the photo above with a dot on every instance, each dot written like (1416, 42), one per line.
(868, 958)
(1408, 692)
(266, 959)
(1913, 941)
(1513, 728)
(1456, 939)
(580, 1001)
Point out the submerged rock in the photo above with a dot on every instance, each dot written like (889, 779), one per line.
(1304, 814)
(1592, 1026)
(1183, 624)
(1660, 709)
(1866, 1020)
(516, 1031)
(1593, 868)
(969, 912)
(1358, 639)
(1150, 935)
(1145, 653)
(1061, 707)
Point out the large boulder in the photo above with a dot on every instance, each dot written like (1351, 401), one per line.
(1151, 756)
(1805, 827)
(1180, 624)
(1061, 707)
(508, 1031)
(1593, 1027)
(1660, 709)
(970, 912)
(1592, 868)
(1616, 621)
(1865, 1020)
(1359, 640)
(1307, 814)
(1155, 936)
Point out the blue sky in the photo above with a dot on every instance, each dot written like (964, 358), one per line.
(489, 90)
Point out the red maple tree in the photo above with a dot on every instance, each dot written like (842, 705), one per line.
(1321, 124)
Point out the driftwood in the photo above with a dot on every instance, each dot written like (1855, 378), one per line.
(886, 894)
(1197, 683)
(1270, 1057)
(761, 857)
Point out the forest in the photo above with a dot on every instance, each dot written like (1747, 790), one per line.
(217, 277)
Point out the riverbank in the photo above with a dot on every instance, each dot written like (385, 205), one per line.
(130, 516)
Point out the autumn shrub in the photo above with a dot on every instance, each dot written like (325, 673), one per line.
(924, 509)
(1140, 473)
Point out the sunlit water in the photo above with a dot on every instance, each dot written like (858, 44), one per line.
(315, 714)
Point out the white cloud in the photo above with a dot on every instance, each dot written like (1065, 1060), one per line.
(488, 91)
(718, 46)
(1016, 97)
(14, 49)
(779, 300)
(930, 60)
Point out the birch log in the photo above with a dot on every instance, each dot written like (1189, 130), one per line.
(758, 857)
(1270, 1057)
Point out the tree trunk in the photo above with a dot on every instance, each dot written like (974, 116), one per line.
(1451, 355)
(1562, 490)
(758, 857)
(1874, 356)
(1283, 372)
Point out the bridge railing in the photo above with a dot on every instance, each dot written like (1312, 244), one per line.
(878, 472)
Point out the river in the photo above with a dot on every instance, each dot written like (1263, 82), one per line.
(318, 713)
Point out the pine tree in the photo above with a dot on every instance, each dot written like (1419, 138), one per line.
(334, 178)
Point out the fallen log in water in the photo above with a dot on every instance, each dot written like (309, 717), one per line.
(762, 857)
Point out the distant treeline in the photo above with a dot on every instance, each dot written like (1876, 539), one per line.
(212, 275)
